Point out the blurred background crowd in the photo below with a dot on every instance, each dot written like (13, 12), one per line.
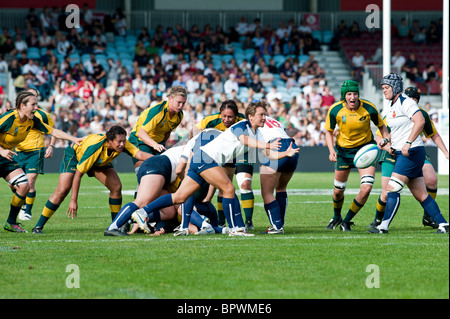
(101, 74)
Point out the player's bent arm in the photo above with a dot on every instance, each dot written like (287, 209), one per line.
(8, 154)
(182, 167)
(193, 131)
(330, 145)
(142, 156)
(73, 206)
(252, 143)
(437, 139)
(64, 136)
(419, 123)
(273, 155)
(143, 135)
(49, 150)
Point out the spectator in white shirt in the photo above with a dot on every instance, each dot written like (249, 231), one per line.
(271, 96)
(167, 56)
(242, 27)
(358, 62)
(30, 66)
(282, 30)
(20, 44)
(266, 77)
(231, 85)
(398, 60)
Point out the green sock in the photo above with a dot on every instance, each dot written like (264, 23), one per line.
(337, 207)
(248, 204)
(381, 208)
(29, 201)
(354, 209)
(16, 203)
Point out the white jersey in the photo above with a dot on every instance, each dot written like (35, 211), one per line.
(398, 118)
(225, 147)
(273, 129)
(174, 154)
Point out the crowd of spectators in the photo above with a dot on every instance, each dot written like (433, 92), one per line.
(88, 96)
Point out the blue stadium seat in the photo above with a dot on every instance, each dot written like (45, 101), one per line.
(227, 58)
(279, 60)
(125, 56)
(317, 34)
(236, 45)
(303, 58)
(327, 35)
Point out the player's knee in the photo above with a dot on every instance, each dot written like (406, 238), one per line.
(339, 186)
(367, 183)
(23, 189)
(20, 183)
(395, 185)
(116, 188)
(244, 183)
(431, 182)
(228, 190)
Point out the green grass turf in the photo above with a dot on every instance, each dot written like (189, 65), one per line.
(306, 262)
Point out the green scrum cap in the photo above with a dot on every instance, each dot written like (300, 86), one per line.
(349, 86)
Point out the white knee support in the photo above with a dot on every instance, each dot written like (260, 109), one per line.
(240, 179)
(367, 179)
(340, 185)
(396, 184)
(19, 179)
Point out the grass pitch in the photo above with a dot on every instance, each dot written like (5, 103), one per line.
(73, 260)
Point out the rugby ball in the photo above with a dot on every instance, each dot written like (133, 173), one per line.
(366, 156)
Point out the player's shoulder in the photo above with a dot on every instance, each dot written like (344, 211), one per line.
(93, 139)
(335, 108)
(405, 100)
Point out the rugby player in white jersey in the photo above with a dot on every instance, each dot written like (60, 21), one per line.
(275, 175)
(406, 123)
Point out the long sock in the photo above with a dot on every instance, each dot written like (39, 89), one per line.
(432, 209)
(47, 213)
(220, 213)
(355, 207)
(186, 211)
(248, 204)
(196, 219)
(432, 192)
(337, 206)
(29, 201)
(228, 208)
(123, 216)
(115, 204)
(392, 205)
(273, 212)
(237, 213)
(381, 208)
(16, 203)
(282, 200)
(161, 202)
(208, 210)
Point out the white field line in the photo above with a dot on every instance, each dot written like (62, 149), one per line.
(323, 192)
(298, 192)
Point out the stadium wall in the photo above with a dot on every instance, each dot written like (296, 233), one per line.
(312, 159)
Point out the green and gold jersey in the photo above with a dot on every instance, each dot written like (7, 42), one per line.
(354, 126)
(35, 138)
(156, 122)
(215, 121)
(93, 151)
(13, 132)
